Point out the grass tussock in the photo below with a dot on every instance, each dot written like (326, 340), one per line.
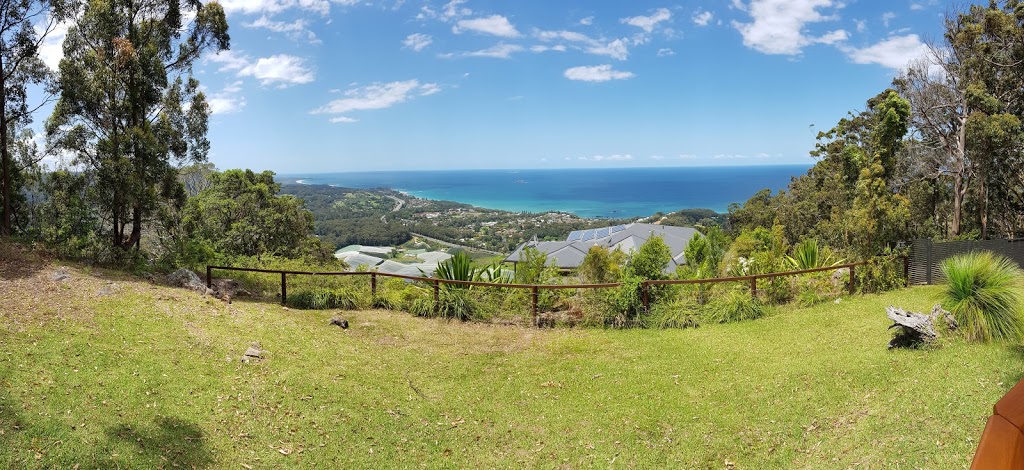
(981, 293)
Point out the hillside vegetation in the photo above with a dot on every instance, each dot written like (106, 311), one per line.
(104, 370)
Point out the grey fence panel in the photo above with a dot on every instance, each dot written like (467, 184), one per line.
(926, 255)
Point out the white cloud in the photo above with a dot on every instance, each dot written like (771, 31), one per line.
(648, 23)
(587, 21)
(887, 17)
(452, 9)
(343, 119)
(665, 52)
(702, 18)
(539, 48)
(283, 70)
(596, 73)
(51, 50)
(861, 25)
(496, 25)
(894, 52)
(617, 49)
(297, 30)
(276, 6)
(378, 96)
(227, 100)
(225, 104)
(498, 51)
(608, 158)
(778, 26)
(417, 41)
(228, 60)
(833, 37)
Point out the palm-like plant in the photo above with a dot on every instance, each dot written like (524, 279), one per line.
(980, 293)
(808, 255)
(457, 268)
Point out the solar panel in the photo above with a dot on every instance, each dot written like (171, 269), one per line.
(589, 234)
(574, 235)
(601, 233)
(618, 228)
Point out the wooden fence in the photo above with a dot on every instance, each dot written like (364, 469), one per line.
(535, 288)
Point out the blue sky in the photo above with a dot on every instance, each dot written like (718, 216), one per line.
(347, 85)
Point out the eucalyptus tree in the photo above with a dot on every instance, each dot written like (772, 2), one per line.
(24, 24)
(129, 104)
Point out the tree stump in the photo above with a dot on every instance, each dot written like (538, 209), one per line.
(915, 328)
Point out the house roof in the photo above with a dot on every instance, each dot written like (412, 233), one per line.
(569, 254)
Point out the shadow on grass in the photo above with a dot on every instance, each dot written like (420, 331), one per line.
(18, 261)
(1011, 377)
(169, 441)
(10, 422)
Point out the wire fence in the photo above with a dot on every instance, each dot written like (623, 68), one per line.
(430, 295)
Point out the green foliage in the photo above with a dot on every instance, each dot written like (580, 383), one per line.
(457, 268)
(456, 304)
(808, 255)
(601, 265)
(64, 220)
(676, 314)
(534, 268)
(980, 294)
(650, 261)
(322, 299)
(623, 305)
(129, 107)
(241, 214)
(734, 305)
(813, 289)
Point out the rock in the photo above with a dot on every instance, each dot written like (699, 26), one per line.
(254, 352)
(340, 322)
(840, 277)
(187, 279)
(108, 289)
(60, 275)
(227, 289)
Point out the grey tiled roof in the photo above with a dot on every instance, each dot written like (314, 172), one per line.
(569, 254)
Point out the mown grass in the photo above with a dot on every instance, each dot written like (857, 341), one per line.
(106, 371)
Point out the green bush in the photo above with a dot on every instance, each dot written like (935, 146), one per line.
(623, 305)
(980, 294)
(813, 289)
(676, 314)
(734, 305)
(321, 298)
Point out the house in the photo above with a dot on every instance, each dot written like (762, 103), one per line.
(569, 254)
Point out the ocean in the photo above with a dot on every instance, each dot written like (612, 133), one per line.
(610, 193)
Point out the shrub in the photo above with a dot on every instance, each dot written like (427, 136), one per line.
(734, 305)
(980, 294)
(456, 303)
(320, 298)
(676, 314)
(624, 304)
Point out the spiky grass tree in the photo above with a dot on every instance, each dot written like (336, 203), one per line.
(980, 293)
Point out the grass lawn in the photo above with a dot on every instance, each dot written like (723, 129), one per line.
(108, 371)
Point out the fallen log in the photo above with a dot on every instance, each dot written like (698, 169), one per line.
(915, 328)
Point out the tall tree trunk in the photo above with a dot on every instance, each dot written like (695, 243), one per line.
(5, 225)
(983, 207)
(136, 235)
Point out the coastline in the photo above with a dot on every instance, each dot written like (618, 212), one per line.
(593, 193)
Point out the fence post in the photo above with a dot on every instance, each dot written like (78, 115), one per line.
(647, 298)
(373, 284)
(853, 268)
(753, 287)
(437, 296)
(535, 306)
(209, 277)
(284, 288)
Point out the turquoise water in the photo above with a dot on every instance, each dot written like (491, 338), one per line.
(613, 193)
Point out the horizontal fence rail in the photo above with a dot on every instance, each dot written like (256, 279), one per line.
(534, 288)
